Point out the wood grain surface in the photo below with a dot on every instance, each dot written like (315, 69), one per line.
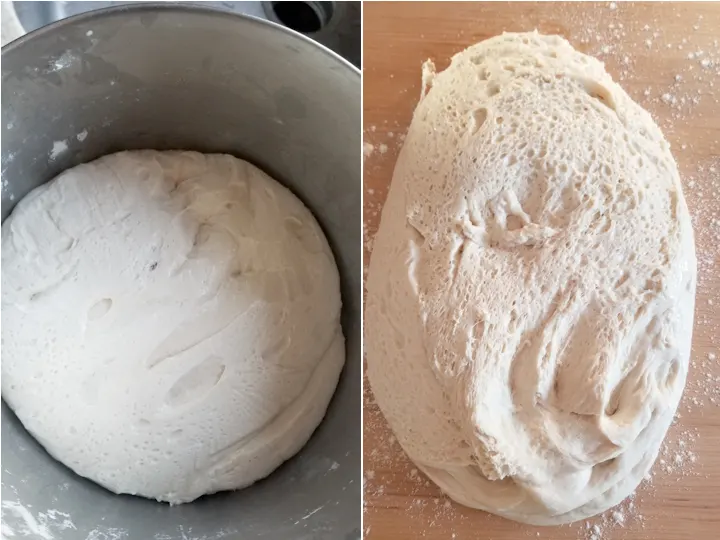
(666, 56)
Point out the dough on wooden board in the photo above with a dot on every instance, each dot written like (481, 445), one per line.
(170, 322)
(531, 289)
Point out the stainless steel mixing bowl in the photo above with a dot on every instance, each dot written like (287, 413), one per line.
(169, 77)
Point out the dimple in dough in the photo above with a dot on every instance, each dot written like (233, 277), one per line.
(531, 290)
(170, 322)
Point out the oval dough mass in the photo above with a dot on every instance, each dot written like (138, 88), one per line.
(532, 284)
(170, 322)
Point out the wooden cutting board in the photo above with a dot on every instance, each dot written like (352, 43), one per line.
(666, 55)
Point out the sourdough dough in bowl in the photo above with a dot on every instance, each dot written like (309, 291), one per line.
(170, 322)
(531, 289)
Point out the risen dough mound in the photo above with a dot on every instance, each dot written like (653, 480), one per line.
(530, 297)
(170, 322)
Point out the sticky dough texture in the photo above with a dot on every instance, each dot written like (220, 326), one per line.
(170, 322)
(531, 290)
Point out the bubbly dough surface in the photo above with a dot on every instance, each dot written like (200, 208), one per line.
(170, 322)
(532, 285)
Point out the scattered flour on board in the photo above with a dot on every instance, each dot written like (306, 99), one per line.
(368, 149)
(688, 92)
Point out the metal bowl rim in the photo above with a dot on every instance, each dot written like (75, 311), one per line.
(156, 7)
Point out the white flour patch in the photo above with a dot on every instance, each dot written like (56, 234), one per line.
(7, 159)
(368, 149)
(58, 148)
(314, 511)
(187, 534)
(19, 521)
(306, 516)
(65, 60)
(107, 533)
